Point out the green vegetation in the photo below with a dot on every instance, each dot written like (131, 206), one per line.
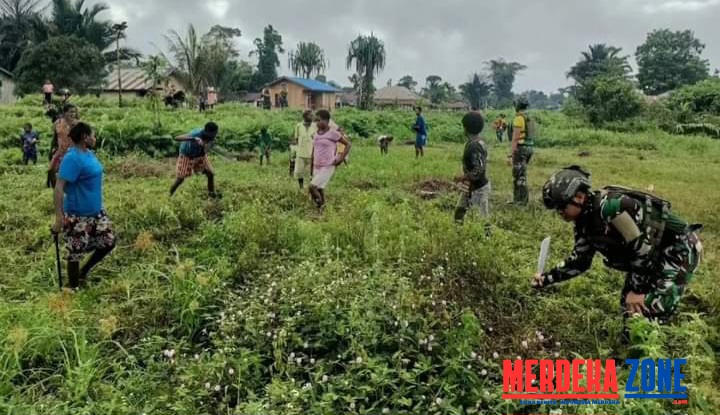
(254, 305)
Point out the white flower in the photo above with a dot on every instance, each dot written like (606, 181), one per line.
(386, 411)
(306, 345)
(489, 328)
(444, 303)
(483, 372)
(325, 378)
(307, 386)
(312, 361)
(473, 355)
(524, 344)
(556, 354)
(197, 356)
(438, 401)
(469, 367)
(495, 355)
(405, 361)
(298, 361)
(429, 348)
(207, 385)
(518, 357)
(487, 393)
(358, 360)
(292, 355)
(431, 338)
(217, 388)
(352, 405)
(541, 337)
(268, 334)
(557, 344)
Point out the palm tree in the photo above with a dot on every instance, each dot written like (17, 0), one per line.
(367, 53)
(75, 19)
(20, 21)
(600, 59)
(188, 53)
(476, 91)
(503, 77)
(307, 60)
(433, 89)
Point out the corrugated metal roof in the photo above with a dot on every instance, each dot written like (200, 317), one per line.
(133, 79)
(309, 84)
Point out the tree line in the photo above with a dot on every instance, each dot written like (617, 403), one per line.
(74, 46)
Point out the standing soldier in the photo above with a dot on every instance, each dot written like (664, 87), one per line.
(636, 233)
(524, 134)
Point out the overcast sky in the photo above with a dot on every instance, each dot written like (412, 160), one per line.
(450, 38)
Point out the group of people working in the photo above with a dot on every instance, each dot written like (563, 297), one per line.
(636, 232)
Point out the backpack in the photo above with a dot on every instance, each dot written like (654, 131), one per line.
(531, 129)
(658, 216)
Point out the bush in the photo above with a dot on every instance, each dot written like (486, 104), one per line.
(609, 98)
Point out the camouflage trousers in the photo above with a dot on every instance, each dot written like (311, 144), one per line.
(664, 288)
(521, 159)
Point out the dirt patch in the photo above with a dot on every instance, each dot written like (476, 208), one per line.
(433, 188)
(246, 156)
(129, 168)
(365, 185)
(584, 154)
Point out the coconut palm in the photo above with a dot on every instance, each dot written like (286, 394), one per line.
(600, 59)
(367, 54)
(307, 60)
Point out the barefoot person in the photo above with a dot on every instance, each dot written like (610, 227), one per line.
(193, 157)
(325, 157)
(79, 212)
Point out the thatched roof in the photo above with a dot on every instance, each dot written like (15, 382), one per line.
(396, 94)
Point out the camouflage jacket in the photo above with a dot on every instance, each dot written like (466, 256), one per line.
(475, 163)
(596, 231)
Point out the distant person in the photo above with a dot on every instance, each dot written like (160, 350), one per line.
(48, 90)
(384, 143)
(474, 181)
(303, 138)
(66, 95)
(267, 103)
(264, 145)
(524, 134)
(193, 157)
(325, 158)
(212, 98)
(500, 126)
(420, 133)
(79, 211)
(29, 140)
(61, 141)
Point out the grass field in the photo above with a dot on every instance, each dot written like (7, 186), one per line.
(256, 305)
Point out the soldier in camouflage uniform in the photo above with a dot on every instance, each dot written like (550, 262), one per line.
(524, 134)
(635, 232)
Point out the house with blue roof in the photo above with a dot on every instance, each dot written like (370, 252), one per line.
(293, 92)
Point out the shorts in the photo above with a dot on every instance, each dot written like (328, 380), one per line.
(302, 167)
(85, 234)
(478, 198)
(48, 97)
(420, 141)
(186, 166)
(321, 176)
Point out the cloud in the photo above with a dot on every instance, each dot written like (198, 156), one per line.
(453, 38)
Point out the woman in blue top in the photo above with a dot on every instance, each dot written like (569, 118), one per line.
(79, 212)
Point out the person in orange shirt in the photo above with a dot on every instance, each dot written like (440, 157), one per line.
(500, 126)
